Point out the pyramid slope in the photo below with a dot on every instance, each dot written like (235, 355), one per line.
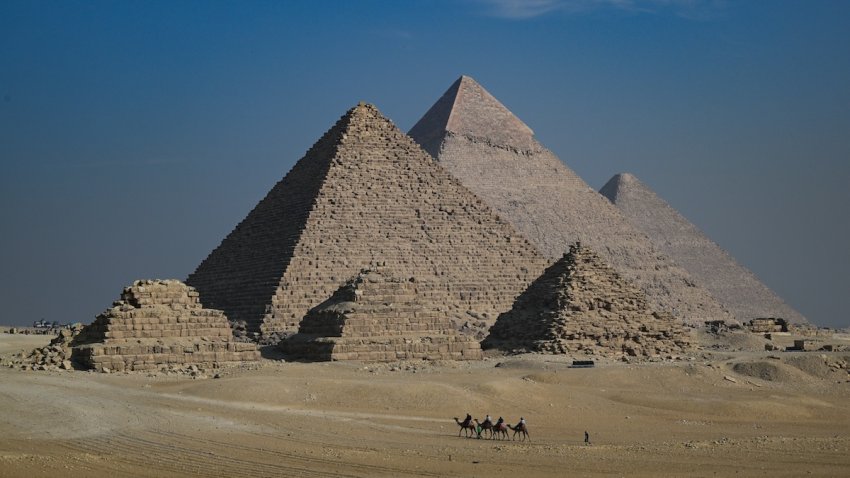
(242, 274)
(365, 194)
(579, 305)
(377, 317)
(738, 289)
(550, 205)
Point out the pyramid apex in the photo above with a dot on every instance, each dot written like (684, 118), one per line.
(467, 109)
(363, 114)
(617, 183)
(363, 107)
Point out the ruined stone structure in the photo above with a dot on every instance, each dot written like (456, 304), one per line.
(767, 325)
(580, 305)
(156, 323)
(495, 155)
(375, 317)
(738, 289)
(365, 193)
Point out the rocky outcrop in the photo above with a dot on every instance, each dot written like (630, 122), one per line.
(581, 306)
(375, 317)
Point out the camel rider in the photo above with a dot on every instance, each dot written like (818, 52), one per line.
(521, 422)
(488, 419)
(467, 420)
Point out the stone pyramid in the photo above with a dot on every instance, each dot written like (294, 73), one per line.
(155, 323)
(366, 193)
(495, 155)
(580, 305)
(738, 289)
(376, 317)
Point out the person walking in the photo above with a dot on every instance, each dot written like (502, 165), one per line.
(586, 438)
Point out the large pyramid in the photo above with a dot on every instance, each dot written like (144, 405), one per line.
(376, 317)
(365, 193)
(733, 284)
(495, 155)
(579, 305)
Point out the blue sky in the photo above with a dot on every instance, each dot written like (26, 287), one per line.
(135, 135)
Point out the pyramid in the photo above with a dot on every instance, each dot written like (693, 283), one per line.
(495, 155)
(580, 305)
(156, 323)
(375, 317)
(738, 289)
(365, 193)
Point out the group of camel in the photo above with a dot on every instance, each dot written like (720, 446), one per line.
(470, 427)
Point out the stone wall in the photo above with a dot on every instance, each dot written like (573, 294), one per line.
(581, 306)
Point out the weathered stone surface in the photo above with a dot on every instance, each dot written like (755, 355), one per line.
(580, 305)
(53, 356)
(767, 325)
(365, 193)
(375, 317)
(495, 155)
(156, 323)
(738, 289)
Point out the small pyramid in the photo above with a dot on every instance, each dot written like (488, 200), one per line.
(365, 193)
(495, 155)
(580, 305)
(736, 287)
(375, 317)
(156, 323)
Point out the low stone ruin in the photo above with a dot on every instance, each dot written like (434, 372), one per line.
(582, 306)
(156, 323)
(54, 356)
(375, 317)
(767, 325)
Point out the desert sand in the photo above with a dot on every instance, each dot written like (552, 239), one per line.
(781, 414)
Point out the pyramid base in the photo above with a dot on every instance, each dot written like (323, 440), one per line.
(382, 349)
(136, 355)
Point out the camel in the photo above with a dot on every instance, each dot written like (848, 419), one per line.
(465, 426)
(501, 429)
(487, 425)
(520, 428)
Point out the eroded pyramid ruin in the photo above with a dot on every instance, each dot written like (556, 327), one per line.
(495, 155)
(376, 317)
(156, 323)
(738, 289)
(579, 306)
(366, 193)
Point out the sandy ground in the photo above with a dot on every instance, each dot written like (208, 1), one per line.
(781, 417)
